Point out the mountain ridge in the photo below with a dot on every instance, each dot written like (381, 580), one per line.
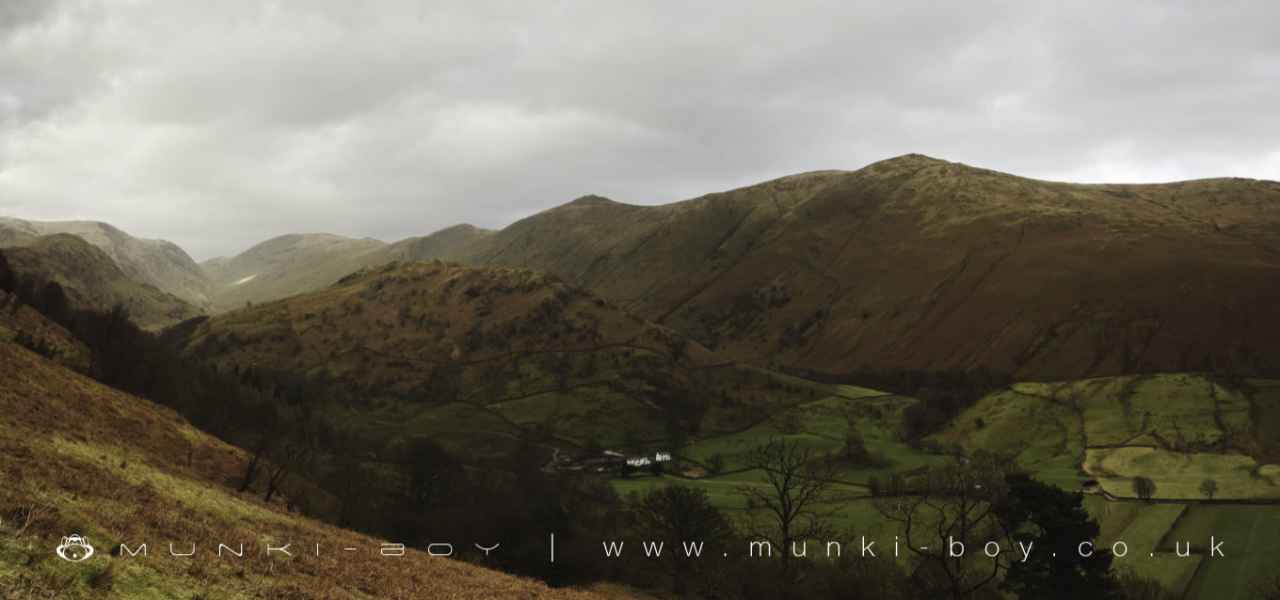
(159, 263)
(294, 263)
(92, 280)
(838, 271)
(897, 248)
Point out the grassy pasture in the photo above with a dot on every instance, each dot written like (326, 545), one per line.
(1248, 531)
(1112, 517)
(1251, 546)
(1100, 402)
(1178, 476)
(1055, 430)
(1178, 407)
(1146, 526)
(821, 425)
(1178, 429)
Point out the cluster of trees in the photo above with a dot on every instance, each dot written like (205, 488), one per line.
(48, 297)
(971, 501)
(7, 276)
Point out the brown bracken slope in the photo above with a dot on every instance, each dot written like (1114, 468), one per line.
(77, 457)
(920, 263)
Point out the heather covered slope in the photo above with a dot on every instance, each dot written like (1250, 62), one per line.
(158, 263)
(25, 326)
(920, 263)
(77, 457)
(92, 280)
(481, 358)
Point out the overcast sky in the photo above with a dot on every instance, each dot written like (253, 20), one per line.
(220, 124)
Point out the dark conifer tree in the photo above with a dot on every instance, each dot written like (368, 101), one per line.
(1055, 521)
(7, 279)
(54, 303)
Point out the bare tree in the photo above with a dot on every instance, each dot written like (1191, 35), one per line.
(251, 469)
(952, 507)
(798, 480)
(291, 458)
(678, 514)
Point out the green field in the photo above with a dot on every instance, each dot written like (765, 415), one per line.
(822, 425)
(1142, 537)
(1176, 429)
(1178, 476)
(1251, 536)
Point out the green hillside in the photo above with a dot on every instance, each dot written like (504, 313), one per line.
(92, 280)
(908, 263)
(483, 358)
(158, 263)
(295, 264)
(920, 263)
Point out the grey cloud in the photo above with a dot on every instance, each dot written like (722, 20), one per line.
(220, 124)
(16, 14)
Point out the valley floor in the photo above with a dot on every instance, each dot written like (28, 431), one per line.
(1177, 429)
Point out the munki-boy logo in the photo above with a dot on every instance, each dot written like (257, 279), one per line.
(74, 548)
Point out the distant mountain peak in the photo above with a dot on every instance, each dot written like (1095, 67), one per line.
(462, 228)
(910, 160)
(590, 200)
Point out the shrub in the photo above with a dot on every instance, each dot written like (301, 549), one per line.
(715, 464)
(1144, 487)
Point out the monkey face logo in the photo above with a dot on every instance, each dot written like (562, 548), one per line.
(74, 548)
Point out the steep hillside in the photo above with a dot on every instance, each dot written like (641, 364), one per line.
(25, 326)
(92, 279)
(79, 458)
(158, 263)
(440, 244)
(294, 264)
(284, 266)
(920, 263)
(481, 357)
